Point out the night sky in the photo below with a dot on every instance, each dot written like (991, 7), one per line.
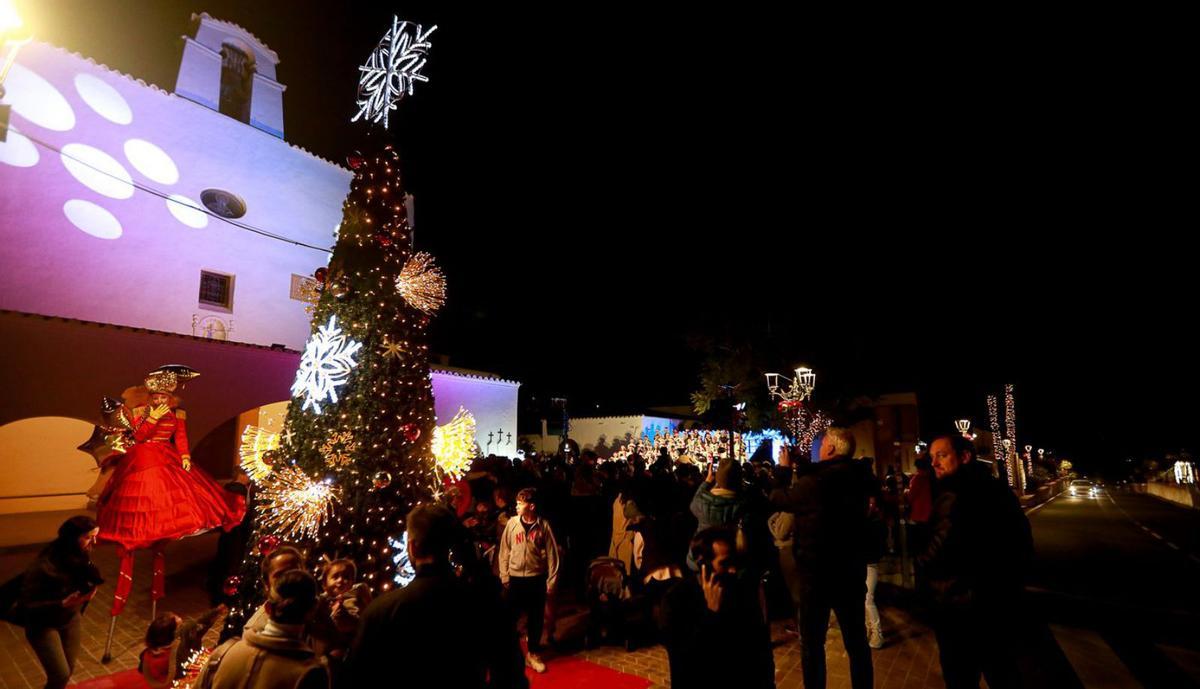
(899, 209)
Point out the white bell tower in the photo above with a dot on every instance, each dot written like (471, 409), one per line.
(228, 69)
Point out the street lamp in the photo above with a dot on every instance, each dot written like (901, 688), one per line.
(799, 388)
(963, 426)
(10, 42)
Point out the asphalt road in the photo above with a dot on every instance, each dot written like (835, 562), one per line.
(1117, 577)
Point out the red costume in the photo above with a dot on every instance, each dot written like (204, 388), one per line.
(155, 495)
(151, 497)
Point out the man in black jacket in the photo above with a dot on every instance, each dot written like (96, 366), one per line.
(414, 636)
(979, 547)
(830, 503)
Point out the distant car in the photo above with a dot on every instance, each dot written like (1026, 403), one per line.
(1081, 487)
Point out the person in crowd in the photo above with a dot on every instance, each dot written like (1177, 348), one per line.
(830, 503)
(277, 657)
(231, 544)
(920, 505)
(979, 547)
(712, 622)
(441, 630)
(717, 501)
(341, 604)
(529, 569)
(278, 561)
(875, 538)
(52, 594)
(170, 642)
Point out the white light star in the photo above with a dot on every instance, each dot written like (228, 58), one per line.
(326, 365)
(391, 70)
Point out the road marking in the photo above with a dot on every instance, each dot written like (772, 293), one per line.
(1172, 546)
(1092, 659)
(1152, 532)
(1035, 508)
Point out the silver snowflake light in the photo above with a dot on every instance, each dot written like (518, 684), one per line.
(326, 365)
(405, 572)
(392, 70)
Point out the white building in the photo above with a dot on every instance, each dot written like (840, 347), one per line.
(142, 227)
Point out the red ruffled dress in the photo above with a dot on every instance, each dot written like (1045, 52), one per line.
(151, 497)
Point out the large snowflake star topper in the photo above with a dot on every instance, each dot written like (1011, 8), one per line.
(392, 70)
(326, 365)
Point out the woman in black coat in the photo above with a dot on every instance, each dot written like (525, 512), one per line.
(55, 590)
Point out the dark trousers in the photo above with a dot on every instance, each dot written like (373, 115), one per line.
(845, 596)
(56, 649)
(527, 595)
(977, 642)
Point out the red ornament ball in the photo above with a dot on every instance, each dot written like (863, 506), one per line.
(383, 239)
(411, 431)
(232, 584)
(267, 544)
(355, 162)
(321, 274)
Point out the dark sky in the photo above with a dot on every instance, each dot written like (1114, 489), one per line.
(902, 206)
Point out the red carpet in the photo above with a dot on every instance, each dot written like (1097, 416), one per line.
(130, 679)
(573, 673)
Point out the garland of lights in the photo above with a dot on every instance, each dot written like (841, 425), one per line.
(998, 452)
(453, 445)
(256, 443)
(192, 668)
(293, 505)
(422, 284)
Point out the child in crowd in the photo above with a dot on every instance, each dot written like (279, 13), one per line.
(170, 641)
(528, 566)
(339, 608)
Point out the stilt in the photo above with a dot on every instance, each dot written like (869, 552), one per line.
(112, 626)
(153, 609)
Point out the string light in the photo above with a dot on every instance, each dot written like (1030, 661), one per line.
(192, 668)
(998, 452)
(453, 445)
(293, 505)
(422, 284)
(256, 442)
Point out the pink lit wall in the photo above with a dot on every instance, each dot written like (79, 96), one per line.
(492, 401)
(81, 240)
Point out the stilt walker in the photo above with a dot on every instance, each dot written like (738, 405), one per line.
(155, 495)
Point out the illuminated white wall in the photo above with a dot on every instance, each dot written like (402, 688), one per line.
(80, 241)
(492, 401)
(604, 433)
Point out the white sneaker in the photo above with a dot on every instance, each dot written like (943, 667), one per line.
(535, 662)
(875, 637)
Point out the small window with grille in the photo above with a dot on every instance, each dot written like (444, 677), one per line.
(216, 290)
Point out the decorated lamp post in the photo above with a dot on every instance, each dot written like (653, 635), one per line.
(964, 427)
(792, 393)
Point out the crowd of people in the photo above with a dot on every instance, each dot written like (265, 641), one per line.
(686, 554)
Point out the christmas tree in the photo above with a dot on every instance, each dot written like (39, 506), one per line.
(359, 440)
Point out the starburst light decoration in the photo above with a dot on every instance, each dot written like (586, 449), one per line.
(453, 445)
(326, 365)
(422, 284)
(256, 442)
(192, 668)
(292, 505)
(392, 70)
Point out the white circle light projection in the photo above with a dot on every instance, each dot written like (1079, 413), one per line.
(97, 171)
(187, 211)
(35, 99)
(103, 98)
(18, 151)
(92, 219)
(151, 161)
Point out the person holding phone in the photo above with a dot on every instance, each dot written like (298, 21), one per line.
(55, 590)
(718, 606)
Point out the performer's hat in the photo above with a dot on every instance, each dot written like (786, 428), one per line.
(161, 381)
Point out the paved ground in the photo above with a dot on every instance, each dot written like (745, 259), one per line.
(1113, 603)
